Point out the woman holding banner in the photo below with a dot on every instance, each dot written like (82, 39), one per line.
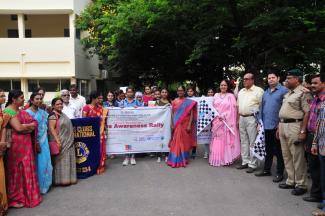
(22, 184)
(225, 144)
(184, 112)
(94, 109)
(61, 134)
(44, 165)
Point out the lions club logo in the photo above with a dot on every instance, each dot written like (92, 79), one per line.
(82, 152)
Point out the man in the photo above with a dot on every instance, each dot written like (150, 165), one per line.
(68, 108)
(292, 131)
(318, 144)
(318, 90)
(271, 104)
(249, 101)
(76, 99)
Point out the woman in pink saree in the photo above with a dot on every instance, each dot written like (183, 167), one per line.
(184, 130)
(225, 143)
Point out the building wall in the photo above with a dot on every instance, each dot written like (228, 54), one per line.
(5, 24)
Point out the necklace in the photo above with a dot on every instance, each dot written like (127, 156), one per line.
(222, 97)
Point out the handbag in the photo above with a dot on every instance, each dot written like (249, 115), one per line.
(54, 146)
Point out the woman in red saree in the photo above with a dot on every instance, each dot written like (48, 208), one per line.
(184, 129)
(22, 184)
(95, 109)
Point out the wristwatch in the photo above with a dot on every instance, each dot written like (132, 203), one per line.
(302, 131)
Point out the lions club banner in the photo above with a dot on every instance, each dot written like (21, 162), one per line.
(136, 130)
(87, 143)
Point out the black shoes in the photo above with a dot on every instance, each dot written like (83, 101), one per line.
(277, 178)
(286, 186)
(250, 170)
(263, 173)
(298, 191)
(240, 167)
(312, 199)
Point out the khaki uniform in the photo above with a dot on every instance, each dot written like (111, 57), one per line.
(295, 106)
(249, 101)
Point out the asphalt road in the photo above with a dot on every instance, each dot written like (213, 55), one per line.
(152, 189)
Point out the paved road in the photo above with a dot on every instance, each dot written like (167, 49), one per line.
(150, 189)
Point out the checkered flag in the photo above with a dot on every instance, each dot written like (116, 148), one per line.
(258, 149)
(206, 114)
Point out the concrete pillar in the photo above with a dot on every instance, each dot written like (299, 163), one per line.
(24, 87)
(71, 25)
(21, 25)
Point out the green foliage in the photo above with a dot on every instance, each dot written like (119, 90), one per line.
(147, 41)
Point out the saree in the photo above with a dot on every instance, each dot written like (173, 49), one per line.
(99, 111)
(21, 178)
(182, 141)
(4, 118)
(225, 146)
(65, 172)
(43, 162)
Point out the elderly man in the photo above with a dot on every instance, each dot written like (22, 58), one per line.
(68, 108)
(249, 101)
(292, 131)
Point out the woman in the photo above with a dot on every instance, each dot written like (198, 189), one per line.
(61, 131)
(190, 94)
(163, 101)
(130, 101)
(147, 95)
(44, 166)
(111, 102)
(225, 146)
(210, 93)
(22, 184)
(94, 109)
(184, 132)
(4, 118)
(139, 97)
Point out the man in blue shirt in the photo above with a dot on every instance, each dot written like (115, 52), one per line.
(269, 113)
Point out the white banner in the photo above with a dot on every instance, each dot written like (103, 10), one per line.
(137, 130)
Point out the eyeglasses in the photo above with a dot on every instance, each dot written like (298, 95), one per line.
(65, 95)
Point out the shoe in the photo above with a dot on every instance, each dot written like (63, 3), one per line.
(320, 206)
(250, 170)
(240, 167)
(205, 155)
(298, 191)
(158, 159)
(126, 162)
(286, 186)
(133, 162)
(277, 178)
(312, 199)
(318, 212)
(263, 173)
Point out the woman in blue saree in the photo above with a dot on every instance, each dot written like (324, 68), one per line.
(43, 162)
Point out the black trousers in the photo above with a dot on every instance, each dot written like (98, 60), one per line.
(322, 174)
(314, 169)
(273, 148)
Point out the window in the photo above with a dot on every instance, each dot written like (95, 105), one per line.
(83, 87)
(66, 32)
(28, 33)
(14, 17)
(50, 85)
(8, 85)
(78, 34)
(12, 33)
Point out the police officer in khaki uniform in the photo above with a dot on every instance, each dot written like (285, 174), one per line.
(292, 131)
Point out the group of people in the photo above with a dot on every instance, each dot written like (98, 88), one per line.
(37, 143)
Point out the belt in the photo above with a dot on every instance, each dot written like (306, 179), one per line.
(290, 120)
(247, 115)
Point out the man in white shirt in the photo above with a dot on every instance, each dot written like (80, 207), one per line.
(68, 108)
(76, 99)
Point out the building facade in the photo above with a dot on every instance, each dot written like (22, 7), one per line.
(40, 47)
